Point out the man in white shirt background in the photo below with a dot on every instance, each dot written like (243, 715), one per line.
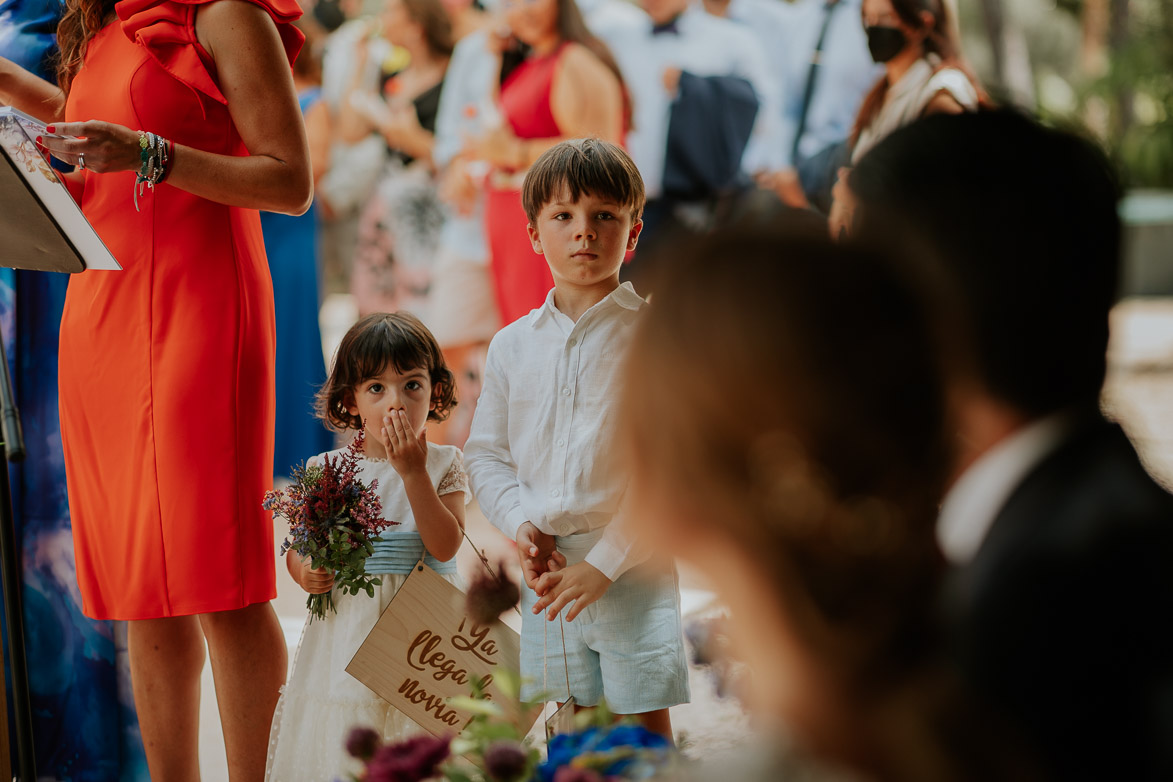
(681, 37)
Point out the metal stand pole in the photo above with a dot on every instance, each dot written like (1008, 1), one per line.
(10, 566)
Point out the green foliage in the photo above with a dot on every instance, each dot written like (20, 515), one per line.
(345, 552)
(1129, 108)
(1138, 92)
(487, 732)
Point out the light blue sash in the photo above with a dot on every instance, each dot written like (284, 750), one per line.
(397, 552)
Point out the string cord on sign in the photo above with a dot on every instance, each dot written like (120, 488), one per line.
(545, 624)
(484, 561)
(546, 662)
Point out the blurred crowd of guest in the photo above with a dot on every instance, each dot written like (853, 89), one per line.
(424, 115)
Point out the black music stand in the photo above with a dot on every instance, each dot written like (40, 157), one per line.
(10, 571)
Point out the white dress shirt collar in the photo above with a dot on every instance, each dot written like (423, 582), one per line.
(623, 296)
(977, 497)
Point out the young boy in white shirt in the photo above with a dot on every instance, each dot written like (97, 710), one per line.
(539, 454)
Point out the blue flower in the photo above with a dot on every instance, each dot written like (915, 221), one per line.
(564, 748)
(631, 736)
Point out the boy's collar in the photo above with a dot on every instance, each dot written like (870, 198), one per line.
(625, 296)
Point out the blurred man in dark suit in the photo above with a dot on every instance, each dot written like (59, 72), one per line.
(1062, 600)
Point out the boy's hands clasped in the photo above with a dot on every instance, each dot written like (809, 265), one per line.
(583, 583)
(545, 572)
(536, 552)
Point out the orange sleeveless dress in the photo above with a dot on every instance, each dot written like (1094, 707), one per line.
(166, 367)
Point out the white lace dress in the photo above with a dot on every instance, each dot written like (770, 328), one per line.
(321, 702)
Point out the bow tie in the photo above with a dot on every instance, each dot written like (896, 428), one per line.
(668, 27)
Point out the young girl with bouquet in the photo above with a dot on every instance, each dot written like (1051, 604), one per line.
(389, 379)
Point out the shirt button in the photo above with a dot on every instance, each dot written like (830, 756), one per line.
(572, 342)
(555, 493)
(561, 442)
(566, 391)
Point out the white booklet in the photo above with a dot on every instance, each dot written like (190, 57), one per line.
(41, 226)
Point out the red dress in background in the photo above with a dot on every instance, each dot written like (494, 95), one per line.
(166, 367)
(521, 277)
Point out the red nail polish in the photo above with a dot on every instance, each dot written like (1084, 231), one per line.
(51, 129)
(38, 139)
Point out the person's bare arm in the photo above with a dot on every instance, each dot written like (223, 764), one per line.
(255, 77)
(585, 97)
(587, 102)
(30, 93)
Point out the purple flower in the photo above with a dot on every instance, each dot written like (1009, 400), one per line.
(413, 760)
(506, 761)
(362, 743)
(490, 596)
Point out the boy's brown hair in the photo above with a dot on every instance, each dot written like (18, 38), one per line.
(583, 165)
(377, 341)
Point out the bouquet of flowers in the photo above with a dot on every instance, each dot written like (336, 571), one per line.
(333, 518)
(600, 750)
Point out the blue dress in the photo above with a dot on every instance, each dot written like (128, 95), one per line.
(291, 244)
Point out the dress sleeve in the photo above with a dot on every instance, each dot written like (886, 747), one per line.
(456, 479)
(166, 29)
(955, 83)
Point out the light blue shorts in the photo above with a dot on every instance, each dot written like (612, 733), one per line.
(626, 647)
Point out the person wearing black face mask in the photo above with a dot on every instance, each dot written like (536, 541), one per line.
(885, 42)
(924, 74)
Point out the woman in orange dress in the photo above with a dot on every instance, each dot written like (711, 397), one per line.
(166, 367)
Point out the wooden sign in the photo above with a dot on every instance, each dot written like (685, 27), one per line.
(424, 650)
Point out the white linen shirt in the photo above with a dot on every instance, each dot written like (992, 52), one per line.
(540, 449)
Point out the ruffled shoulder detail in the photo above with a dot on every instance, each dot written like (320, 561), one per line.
(167, 29)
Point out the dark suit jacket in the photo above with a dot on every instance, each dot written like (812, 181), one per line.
(708, 129)
(1064, 620)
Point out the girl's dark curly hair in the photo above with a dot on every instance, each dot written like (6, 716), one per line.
(369, 347)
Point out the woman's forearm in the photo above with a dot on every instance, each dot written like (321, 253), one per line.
(417, 144)
(259, 181)
(438, 527)
(252, 182)
(30, 93)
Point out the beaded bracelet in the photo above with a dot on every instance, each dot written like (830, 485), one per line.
(154, 157)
